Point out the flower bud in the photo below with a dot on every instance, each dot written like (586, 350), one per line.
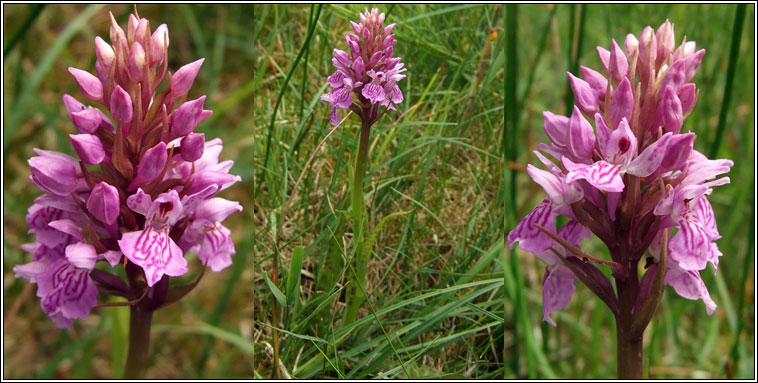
(152, 163)
(605, 57)
(142, 33)
(586, 97)
(388, 41)
(104, 203)
(356, 27)
(622, 103)
(203, 115)
(631, 45)
(374, 59)
(678, 151)
(647, 48)
(617, 65)
(355, 47)
(692, 63)
(131, 27)
(72, 104)
(159, 44)
(118, 37)
(86, 119)
(581, 136)
(665, 39)
(182, 80)
(597, 81)
(88, 147)
(687, 97)
(90, 85)
(669, 112)
(121, 106)
(683, 51)
(104, 52)
(388, 29)
(186, 117)
(556, 127)
(136, 62)
(674, 77)
(55, 175)
(192, 146)
(358, 67)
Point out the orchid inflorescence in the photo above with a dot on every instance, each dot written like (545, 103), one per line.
(141, 191)
(631, 181)
(369, 71)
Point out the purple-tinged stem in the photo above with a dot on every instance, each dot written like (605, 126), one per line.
(140, 318)
(628, 343)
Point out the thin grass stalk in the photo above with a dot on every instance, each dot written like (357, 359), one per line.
(290, 72)
(520, 314)
(20, 33)
(734, 355)
(734, 53)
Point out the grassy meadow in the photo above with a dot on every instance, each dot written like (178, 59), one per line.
(434, 175)
(445, 181)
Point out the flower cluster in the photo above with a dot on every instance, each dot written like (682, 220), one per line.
(369, 71)
(630, 178)
(141, 191)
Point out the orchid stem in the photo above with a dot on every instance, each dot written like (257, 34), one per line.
(359, 259)
(140, 318)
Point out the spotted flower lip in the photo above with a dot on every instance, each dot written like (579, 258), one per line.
(629, 178)
(367, 75)
(152, 248)
(143, 182)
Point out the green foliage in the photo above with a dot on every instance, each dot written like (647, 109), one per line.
(433, 177)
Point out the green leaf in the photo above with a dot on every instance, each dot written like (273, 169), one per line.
(293, 279)
(277, 293)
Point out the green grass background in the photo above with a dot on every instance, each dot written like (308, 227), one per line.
(682, 341)
(205, 335)
(435, 276)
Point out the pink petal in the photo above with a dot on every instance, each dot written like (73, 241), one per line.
(531, 238)
(81, 255)
(217, 248)
(688, 284)
(557, 290)
(155, 252)
(648, 161)
(601, 175)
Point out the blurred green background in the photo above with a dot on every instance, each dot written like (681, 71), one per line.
(544, 42)
(206, 334)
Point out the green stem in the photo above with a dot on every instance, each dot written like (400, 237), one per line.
(140, 317)
(360, 261)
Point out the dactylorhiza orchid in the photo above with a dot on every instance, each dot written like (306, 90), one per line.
(634, 181)
(366, 83)
(141, 192)
(366, 78)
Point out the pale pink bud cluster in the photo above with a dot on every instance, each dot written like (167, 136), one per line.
(367, 76)
(630, 176)
(141, 192)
